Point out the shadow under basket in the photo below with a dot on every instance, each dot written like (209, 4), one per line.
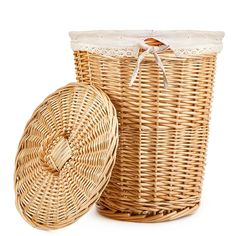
(163, 131)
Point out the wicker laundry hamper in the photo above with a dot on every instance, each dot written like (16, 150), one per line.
(161, 85)
(65, 156)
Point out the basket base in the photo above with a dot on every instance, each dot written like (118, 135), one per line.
(147, 218)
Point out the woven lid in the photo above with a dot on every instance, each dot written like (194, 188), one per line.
(126, 43)
(65, 156)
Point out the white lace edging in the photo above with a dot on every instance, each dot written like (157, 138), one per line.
(127, 43)
(182, 52)
(106, 51)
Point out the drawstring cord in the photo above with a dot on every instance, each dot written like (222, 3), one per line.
(150, 50)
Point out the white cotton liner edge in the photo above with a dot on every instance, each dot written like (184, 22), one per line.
(126, 43)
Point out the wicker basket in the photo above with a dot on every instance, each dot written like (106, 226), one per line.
(163, 127)
(65, 156)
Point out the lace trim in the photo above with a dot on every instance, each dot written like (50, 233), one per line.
(107, 51)
(182, 52)
(127, 43)
(134, 51)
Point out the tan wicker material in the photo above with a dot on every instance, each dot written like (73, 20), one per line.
(65, 156)
(163, 132)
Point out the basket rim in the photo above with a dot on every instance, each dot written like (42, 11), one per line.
(126, 43)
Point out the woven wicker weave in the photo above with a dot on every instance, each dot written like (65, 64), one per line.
(163, 132)
(65, 156)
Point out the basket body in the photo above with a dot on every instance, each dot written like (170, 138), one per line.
(163, 132)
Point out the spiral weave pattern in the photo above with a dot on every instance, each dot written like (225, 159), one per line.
(65, 156)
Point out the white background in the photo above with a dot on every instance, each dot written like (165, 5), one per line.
(36, 59)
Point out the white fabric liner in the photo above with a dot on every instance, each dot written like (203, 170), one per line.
(127, 43)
